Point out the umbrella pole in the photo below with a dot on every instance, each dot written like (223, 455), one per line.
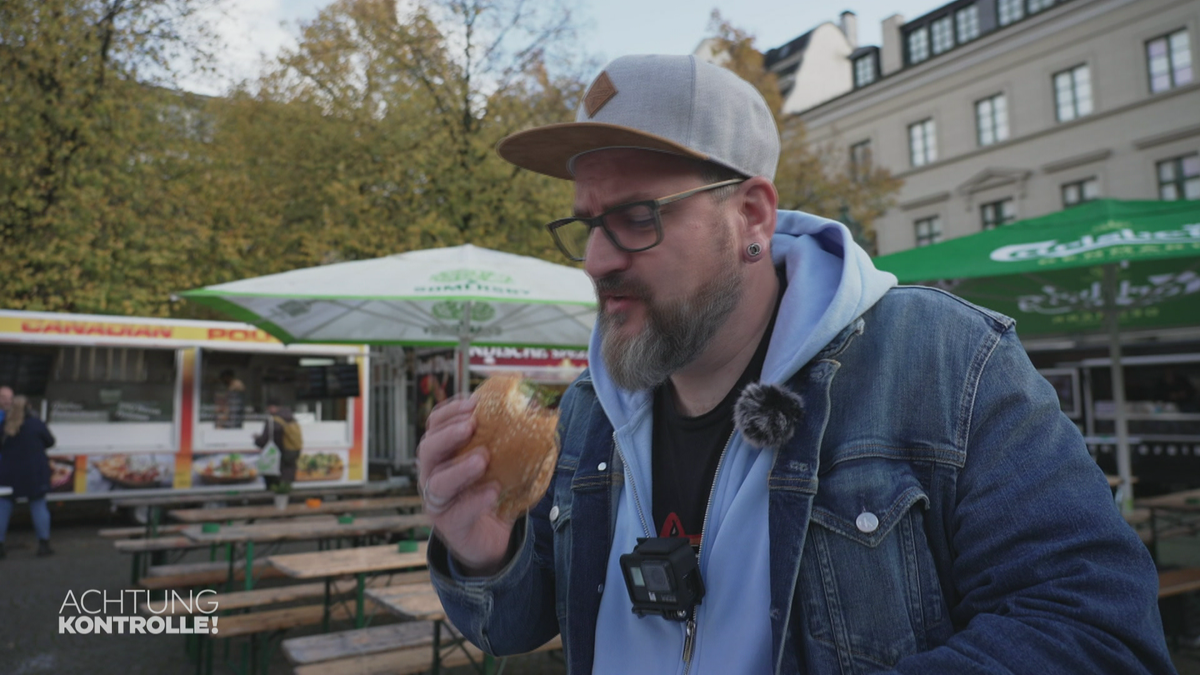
(462, 362)
(1124, 462)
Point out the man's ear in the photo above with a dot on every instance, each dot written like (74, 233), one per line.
(757, 205)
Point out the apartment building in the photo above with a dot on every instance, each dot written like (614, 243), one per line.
(992, 111)
(812, 68)
(996, 110)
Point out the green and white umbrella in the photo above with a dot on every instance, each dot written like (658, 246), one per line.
(455, 296)
(1105, 265)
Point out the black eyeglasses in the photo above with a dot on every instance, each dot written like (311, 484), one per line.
(632, 227)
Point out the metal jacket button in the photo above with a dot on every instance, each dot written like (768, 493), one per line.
(603, 466)
(867, 522)
(553, 513)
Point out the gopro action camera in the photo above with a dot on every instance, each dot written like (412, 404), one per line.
(662, 576)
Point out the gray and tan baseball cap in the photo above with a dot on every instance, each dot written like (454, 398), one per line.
(675, 104)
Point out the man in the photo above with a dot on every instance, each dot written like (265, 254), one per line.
(6, 398)
(230, 401)
(282, 428)
(876, 477)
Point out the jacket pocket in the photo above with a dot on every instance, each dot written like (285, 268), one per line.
(867, 582)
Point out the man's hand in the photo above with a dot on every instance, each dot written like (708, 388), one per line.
(463, 512)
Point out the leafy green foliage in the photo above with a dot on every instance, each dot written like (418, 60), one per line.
(374, 136)
(90, 216)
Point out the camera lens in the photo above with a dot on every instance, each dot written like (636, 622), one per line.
(657, 575)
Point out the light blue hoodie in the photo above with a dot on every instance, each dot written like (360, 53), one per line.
(831, 281)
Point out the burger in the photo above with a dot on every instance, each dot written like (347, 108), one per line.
(513, 421)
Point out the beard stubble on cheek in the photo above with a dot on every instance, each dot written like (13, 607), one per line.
(675, 333)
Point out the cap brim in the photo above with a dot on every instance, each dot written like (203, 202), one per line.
(548, 150)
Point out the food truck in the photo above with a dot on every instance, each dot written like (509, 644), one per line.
(1161, 371)
(156, 406)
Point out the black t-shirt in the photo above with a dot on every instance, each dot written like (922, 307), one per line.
(687, 450)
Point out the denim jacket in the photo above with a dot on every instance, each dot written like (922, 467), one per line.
(996, 546)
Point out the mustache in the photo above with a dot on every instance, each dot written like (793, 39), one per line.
(619, 284)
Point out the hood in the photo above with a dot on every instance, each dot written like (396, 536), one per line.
(831, 282)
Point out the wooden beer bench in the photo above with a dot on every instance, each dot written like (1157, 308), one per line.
(1172, 585)
(273, 622)
(190, 575)
(138, 531)
(271, 512)
(1178, 582)
(395, 649)
(139, 547)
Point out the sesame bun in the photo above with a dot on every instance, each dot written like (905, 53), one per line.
(521, 437)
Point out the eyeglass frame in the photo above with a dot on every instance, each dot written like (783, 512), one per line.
(655, 208)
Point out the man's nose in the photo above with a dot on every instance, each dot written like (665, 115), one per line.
(603, 257)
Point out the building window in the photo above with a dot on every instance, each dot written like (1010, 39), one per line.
(1179, 178)
(922, 142)
(1036, 6)
(991, 119)
(860, 158)
(966, 22)
(1011, 10)
(998, 213)
(929, 230)
(1170, 61)
(864, 70)
(1073, 93)
(943, 34)
(918, 45)
(1080, 191)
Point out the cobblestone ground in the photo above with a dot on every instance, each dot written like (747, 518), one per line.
(33, 589)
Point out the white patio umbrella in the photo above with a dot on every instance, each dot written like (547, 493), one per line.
(455, 296)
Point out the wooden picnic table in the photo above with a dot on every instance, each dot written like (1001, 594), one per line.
(288, 530)
(417, 602)
(271, 512)
(358, 562)
(345, 561)
(1185, 505)
(1186, 500)
(257, 495)
(155, 505)
(412, 602)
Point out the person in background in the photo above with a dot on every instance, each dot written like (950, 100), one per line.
(231, 402)
(25, 468)
(281, 426)
(6, 397)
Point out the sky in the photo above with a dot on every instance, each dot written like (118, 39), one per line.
(254, 29)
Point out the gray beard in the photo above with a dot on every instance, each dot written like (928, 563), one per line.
(675, 334)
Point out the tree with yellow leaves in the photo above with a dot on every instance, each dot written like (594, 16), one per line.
(92, 150)
(375, 135)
